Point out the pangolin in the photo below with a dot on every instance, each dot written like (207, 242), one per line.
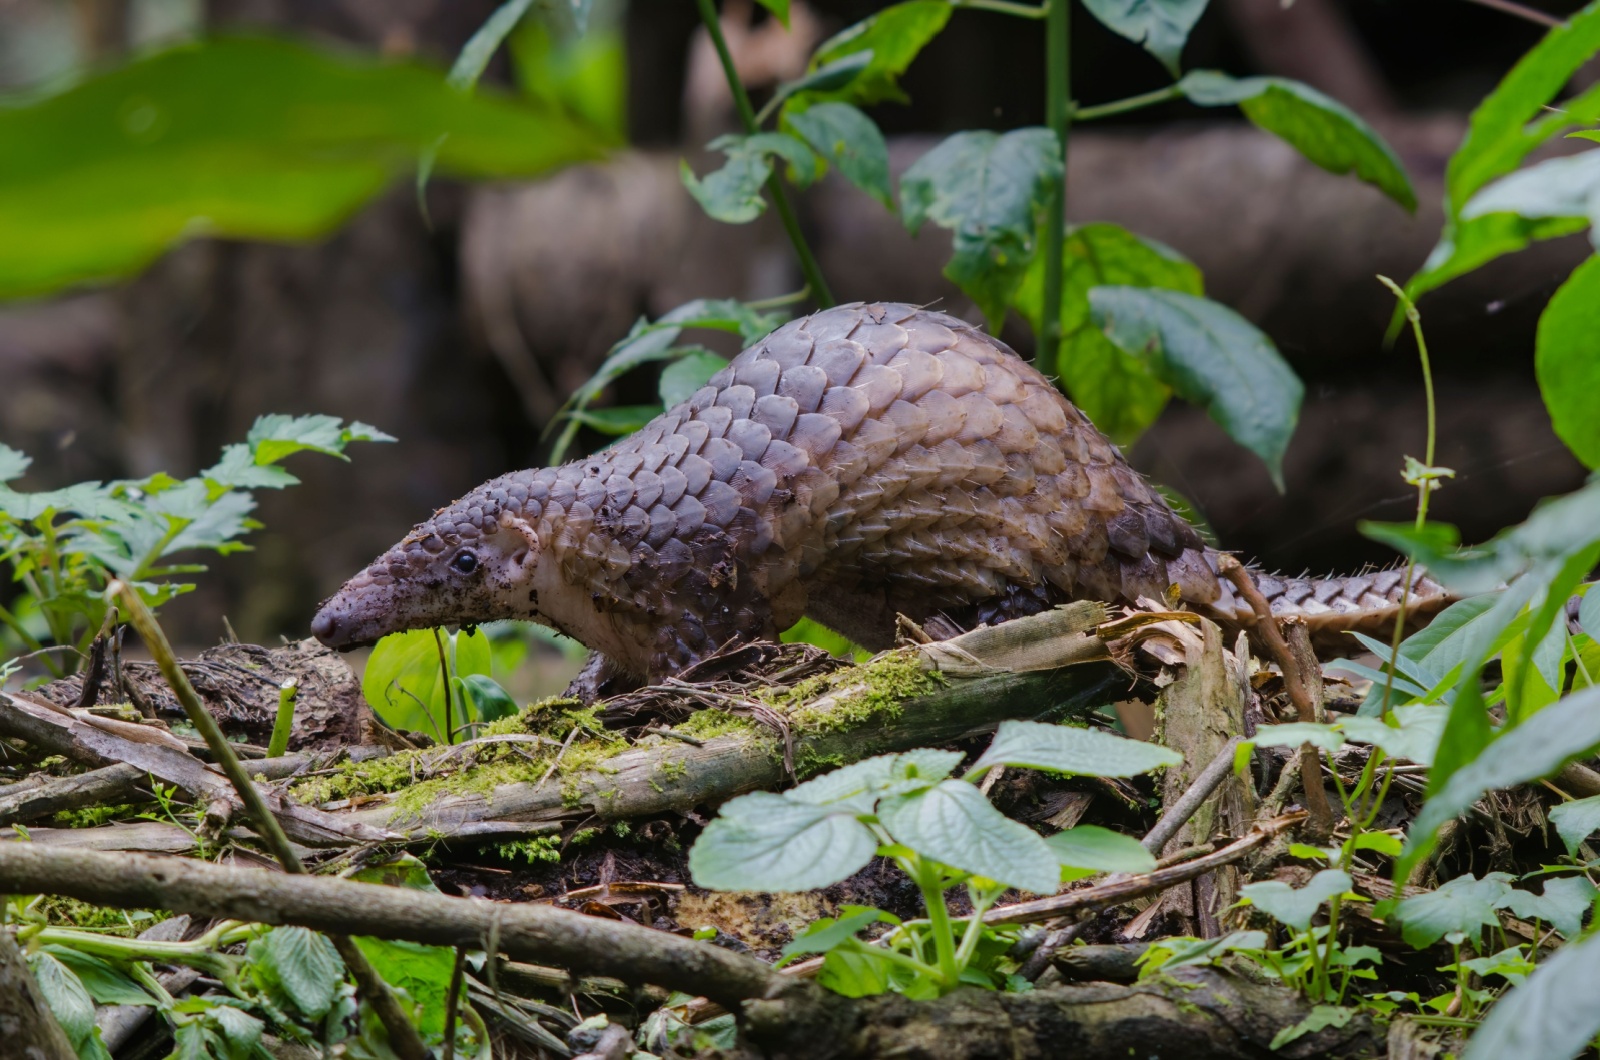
(865, 461)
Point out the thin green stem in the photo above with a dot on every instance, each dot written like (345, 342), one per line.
(927, 877)
(1123, 106)
(283, 724)
(1005, 7)
(1058, 116)
(982, 899)
(780, 200)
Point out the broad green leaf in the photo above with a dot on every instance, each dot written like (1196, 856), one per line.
(1589, 612)
(1321, 1017)
(13, 463)
(307, 967)
(1466, 627)
(954, 823)
(275, 436)
(1505, 128)
(990, 190)
(1568, 369)
(681, 378)
(1162, 26)
(240, 1030)
(1557, 187)
(1294, 734)
(1576, 821)
(823, 935)
(103, 177)
(850, 142)
(490, 701)
(1562, 905)
(766, 842)
(779, 9)
(810, 631)
(423, 972)
(617, 421)
(1068, 749)
(723, 314)
(1293, 906)
(404, 684)
(822, 79)
(585, 74)
(1552, 1015)
(1116, 389)
(1171, 954)
(1210, 356)
(1322, 129)
(402, 870)
(1536, 748)
(893, 36)
(854, 971)
(482, 45)
(1089, 846)
(1414, 737)
(1465, 904)
(564, 18)
(69, 1002)
(732, 194)
(106, 983)
(858, 786)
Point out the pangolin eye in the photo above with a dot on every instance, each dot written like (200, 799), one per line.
(465, 562)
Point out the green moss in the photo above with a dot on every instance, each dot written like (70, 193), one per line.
(845, 699)
(710, 723)
(674, 770)
(69, 912)
(94, 816)
(534, 849)
(584, 835)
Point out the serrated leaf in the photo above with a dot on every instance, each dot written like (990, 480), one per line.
(955, 824)
(1576, 821)
(307, 967)
(859, 785)
(732, 194)
(1510, 123)
(1210, 356)
(1553, 1014)
(103, 177)
(13, 463)
(1562, 905)
(240, 1030)
(1322, 129)
(1067, 749)
(1568, 370)
(681, 378)
(990, 190)
(1162, 26)
(1089, 846)
(1295, 907)
(894, 37)
(850, 142)
(765, 842)
(1465, 904)
(1115, 388)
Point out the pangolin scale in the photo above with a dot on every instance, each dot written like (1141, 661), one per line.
(866, 461)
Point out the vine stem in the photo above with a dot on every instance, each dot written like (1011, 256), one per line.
(1122, 106)
(1058, 115)
(780, 200)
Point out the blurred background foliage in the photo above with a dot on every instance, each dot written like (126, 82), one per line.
(211, 210)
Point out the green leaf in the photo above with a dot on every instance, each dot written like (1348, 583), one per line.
(489, 699)
(13, 463)
(106, 983)
(423, 972)
(1170, 954)
(1536, 748)
(1116, 389)
(1507, 126)
(765, 842)
(306, 966)
(1210, 356)
(779, 9)
(894, 37)
(955, 824)
(1568, 370)
(681, 378)
(102, 178)
(859, 785)
(1465, 904)
(989, 189)
(820, 79)
(276, 436)
(1414, 737)
(1557, 187)
(482, 45)
(850, 142)
(402, 870)
(1068, 749)
(1089, 846)
(1162, 26)
(854, 971)
(1576, 821)
(1292, 906)
(1322, 129)
(582, 74)
(1553, 1014)
(723, 314)
(617, 421)
(1294, 734)
(825, 934)
(810, 631)
(1562, 905)
(1321, 1017)
(69, 1002)
(732, 194)
(404, 684)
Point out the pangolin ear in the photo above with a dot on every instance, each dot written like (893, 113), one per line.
(518, 525)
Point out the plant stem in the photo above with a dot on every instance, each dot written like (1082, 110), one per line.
(448, 736)
(1122, 106)
(981, 901)
(927, 877)
(1005, 7)
(283, 724)
(1058, 115)
(780, 200)
(1522, 11)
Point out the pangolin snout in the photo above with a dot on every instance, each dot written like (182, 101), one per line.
(329, 630)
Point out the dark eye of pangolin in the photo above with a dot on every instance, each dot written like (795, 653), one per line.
(465, 562)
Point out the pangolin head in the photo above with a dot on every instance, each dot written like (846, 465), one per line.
(472, 562)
